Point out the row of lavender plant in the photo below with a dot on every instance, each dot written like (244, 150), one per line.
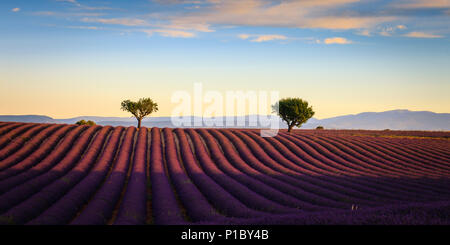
(250, 197)
(30, 146)
(40, 153)
(24, 190)
(99, 209)
(197, 206)
(373, 149)
(278, 158)
(377, 184)
(65, 209)
(57, 182)
(133, 210)
(414, 179)
(269, 190)
(283, 155)
(261, 162)
(8, 127)
(248, 164)
(412, 154)
(29, 170)
(394, 157)
(17, 132)
(164, 204)
(223, 201)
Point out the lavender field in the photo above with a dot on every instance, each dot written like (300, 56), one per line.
(103, 175)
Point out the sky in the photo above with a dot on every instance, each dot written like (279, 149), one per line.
(68, 58)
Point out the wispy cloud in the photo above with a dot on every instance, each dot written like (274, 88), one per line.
(85, 27)
(262, 38)
(117, 21)
(15, 9)
(170, 33)
(366, 33)
(335, 40)
(194, 16)
(67, 14)
(82, 6)
(423, 4)
(244, 36)
(295, 13)
(417, 34)
(391, 30)
(197, 27)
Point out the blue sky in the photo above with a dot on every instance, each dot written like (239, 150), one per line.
(69, 58)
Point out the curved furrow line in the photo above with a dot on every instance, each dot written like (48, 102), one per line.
(15, 133)
(371, 186)
(42, 151)
(441, 147)
(249, 197)
(100, 208)
(132, 210)
(19, 141)
(357, 183)
(164, 203)
(222, 200)
(420, 153)
(310, 157)
(43, 199)
(272, 188)
(377, 151)
(197, 206)
(428, 150)
(109, 170)
(260, 161)
(335, 150)
(252, 166)
(9, 127)
(375, 155)
(62, 211)
(323, 155)
(434, 145)
(36, 169)
(367, 156)
(410, 146)
(24, 190)
(343, 158)
(255, 185)
(411, 185)
(434, 182)
(399, 154)
(28, 147)
(357, 152)
(392, 153)
(380, 158)
(353, 182)
(319, 144)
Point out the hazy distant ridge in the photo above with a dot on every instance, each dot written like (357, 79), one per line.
(395, 119)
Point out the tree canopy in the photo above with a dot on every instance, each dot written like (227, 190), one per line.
(140, 109)
(83, 122)
(294, 111)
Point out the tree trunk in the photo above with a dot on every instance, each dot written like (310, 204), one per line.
(139, 122)
(290, 127)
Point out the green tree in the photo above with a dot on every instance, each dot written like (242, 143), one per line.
(294, 111)
(140, 109)
(83, 122)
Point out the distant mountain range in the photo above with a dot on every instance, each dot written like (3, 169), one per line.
(395, 120)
